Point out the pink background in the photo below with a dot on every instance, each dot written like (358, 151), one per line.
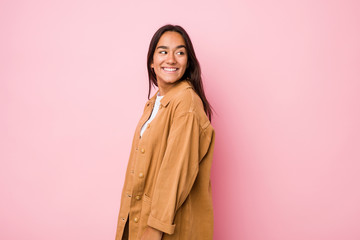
(283, 77)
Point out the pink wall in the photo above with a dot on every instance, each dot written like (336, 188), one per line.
(283, 77)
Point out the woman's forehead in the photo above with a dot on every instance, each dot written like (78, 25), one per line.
(171, 39)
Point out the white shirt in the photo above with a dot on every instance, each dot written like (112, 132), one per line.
(153, 114)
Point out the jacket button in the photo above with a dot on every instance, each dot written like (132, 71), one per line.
(136, 219)
(141, 175)
(142, 150)
(138, 197)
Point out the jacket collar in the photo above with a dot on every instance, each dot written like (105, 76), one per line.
(184, 84)
(181, 85)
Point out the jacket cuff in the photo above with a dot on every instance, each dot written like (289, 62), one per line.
(157, 224)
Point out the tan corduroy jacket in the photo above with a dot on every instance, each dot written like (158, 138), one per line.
(167, 183)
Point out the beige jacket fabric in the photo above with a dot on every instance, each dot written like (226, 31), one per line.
(167, 183)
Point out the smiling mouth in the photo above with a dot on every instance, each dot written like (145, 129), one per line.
(170, 69)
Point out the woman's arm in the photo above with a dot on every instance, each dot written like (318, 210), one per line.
(178, 171)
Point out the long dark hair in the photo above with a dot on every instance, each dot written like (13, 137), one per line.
(193, 71)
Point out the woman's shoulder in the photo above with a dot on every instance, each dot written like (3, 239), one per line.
(188, 98)
(187, 101)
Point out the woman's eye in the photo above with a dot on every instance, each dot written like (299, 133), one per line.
(180, 53)
(162, 52)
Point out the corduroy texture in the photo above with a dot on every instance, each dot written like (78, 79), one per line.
(167, 184)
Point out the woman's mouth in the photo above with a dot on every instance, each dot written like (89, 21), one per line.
(170, 69)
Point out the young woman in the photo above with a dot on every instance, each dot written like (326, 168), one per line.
(167, 189)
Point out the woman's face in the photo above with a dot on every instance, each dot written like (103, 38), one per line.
(170, 59)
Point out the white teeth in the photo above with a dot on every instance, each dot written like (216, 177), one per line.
(170, 69)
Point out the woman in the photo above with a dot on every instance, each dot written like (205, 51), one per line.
(167, 190)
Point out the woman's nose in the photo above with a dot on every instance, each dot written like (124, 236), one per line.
(171, 59)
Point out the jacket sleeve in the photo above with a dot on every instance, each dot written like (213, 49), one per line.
(177, 173)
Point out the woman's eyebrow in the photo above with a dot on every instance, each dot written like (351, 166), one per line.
(166, 47)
